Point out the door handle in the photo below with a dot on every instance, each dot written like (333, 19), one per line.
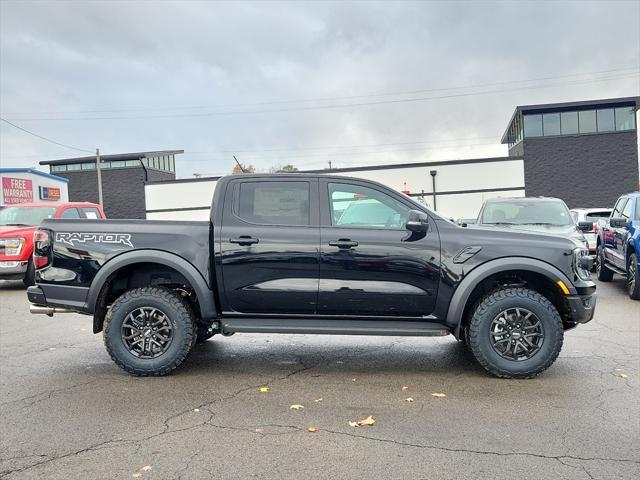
(244, 240)
(343, 243)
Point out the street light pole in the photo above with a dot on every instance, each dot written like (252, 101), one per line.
(99, 176)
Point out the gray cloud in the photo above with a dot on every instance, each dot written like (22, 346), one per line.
(95, 56)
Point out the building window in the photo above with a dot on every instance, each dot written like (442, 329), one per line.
(173, 163)
(58, 168)
(533, 125)
(551, 124)
(118, 164)
(132, 163)
(569, 123)
(587, 121)
(74, 167)
(625, 118)
(88, 166)
(606, 121)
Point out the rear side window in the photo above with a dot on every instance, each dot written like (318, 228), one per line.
(274, 203)
(70, 213)
(90, 213)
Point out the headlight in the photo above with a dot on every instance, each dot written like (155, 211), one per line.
(582, 263)
(12, 246)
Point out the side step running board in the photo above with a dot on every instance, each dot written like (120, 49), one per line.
(388, 327)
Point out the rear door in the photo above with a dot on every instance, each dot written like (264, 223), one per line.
(370, 265)
(269, 246)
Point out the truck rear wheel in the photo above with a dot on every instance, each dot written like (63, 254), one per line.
(515, 333)
(149, 331)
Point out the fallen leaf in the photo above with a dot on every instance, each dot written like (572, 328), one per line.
(439, 395)
(353, 379)
(318, 400)
(259, 430)
(196, 409)
(156, 452)
(623, 375)
(136, 475)
(146, 468)
(312, 429)
(404, 388)
(367, 421)
(296, 406)
(264, 389)
(408, 399)
(353, 424)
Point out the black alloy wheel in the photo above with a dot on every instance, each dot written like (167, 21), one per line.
(147, 332)
(516, 334)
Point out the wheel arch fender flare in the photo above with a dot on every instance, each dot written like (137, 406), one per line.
(205, 295)
(477, 275)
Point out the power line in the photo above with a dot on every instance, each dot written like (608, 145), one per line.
(338, 98)
(44, 138)
(334, 106)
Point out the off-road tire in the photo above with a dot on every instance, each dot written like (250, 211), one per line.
(30, 275)
(633, 282)
(203, 334)
(603, 273)
(182, 321)
(490, 307)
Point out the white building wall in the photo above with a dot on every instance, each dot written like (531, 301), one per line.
(461, 188)
(37, 181)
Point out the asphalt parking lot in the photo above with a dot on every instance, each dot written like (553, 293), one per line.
(68, 412)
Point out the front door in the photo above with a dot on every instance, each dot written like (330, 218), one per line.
(612, 236)
(269, 247)
(370, 265)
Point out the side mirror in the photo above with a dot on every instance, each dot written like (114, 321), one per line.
(618, 222)
(417, 221)
(585, 226)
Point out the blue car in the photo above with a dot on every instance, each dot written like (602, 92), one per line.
(618, 246)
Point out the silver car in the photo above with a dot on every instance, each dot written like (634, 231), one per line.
(595, 215)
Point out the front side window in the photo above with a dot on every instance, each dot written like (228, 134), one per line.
(626, 211)
(617, 211)
(533, 126)
(587, 121)
(551, 124)
(363, 207)
(606, 122)
(274, 203)
(25, 216)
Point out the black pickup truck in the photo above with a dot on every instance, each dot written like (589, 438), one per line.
(295, 253)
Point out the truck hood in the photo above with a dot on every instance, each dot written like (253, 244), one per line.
(569, 232)
(9, 231)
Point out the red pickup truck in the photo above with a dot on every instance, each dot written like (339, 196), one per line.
(19, 222)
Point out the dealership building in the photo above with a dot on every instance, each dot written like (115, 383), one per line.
(584, 152)
(22, 185)
(123, 175)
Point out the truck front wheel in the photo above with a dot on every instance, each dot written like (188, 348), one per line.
(149, 331)
(515, 333)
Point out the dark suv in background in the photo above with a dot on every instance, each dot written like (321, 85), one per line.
(619, 244)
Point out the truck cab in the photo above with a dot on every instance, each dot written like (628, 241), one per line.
(619, 244)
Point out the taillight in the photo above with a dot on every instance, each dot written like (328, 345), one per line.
(41, 248)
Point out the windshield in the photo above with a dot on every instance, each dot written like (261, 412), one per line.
(523, 212)
(25, 216)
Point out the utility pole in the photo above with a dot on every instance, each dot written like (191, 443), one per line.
(329, 164)
(99, 176)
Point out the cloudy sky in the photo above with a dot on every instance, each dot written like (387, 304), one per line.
(298, 83)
